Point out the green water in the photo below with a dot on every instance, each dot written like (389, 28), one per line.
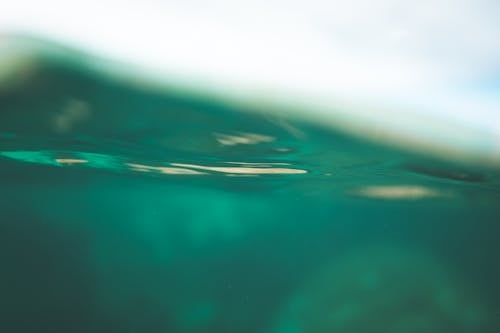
(128, 209)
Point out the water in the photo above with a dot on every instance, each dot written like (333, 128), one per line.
(128, 209)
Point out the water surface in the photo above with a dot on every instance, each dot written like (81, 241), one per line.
(124, 208)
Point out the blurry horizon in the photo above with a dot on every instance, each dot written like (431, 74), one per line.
(395, 66)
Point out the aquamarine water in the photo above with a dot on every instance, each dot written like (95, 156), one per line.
(128, 209)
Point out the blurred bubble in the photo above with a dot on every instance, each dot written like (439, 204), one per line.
(73, 113)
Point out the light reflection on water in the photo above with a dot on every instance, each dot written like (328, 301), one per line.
(114, 164)
(394, 192)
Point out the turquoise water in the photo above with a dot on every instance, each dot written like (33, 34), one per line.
(128, 209)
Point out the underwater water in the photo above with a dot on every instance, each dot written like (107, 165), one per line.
(126, 209)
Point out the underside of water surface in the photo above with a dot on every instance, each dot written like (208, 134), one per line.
(129, 208)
